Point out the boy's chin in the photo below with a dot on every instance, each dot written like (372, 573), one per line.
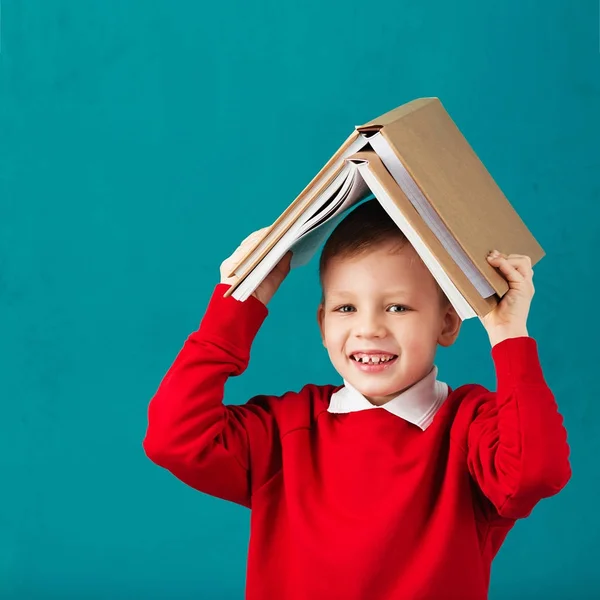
(376, 393)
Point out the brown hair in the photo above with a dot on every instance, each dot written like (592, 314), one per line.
(366, 226)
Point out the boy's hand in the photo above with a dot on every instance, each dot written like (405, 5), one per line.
(269, 286)
(509, 318)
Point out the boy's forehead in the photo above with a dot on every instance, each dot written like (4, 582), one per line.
(387, 267)
(392, 255)
(351, 292)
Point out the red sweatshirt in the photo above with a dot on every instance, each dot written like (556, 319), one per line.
(359, 506)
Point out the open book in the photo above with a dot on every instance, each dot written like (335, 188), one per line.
(421, 169)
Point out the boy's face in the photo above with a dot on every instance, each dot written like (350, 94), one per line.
(384, 307)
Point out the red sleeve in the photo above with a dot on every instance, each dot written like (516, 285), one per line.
(517, 444)
(225, 451)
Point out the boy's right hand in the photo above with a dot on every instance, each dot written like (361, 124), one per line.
(266, 290)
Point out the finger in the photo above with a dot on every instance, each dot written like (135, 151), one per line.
(523, 257)
(522, 264)
(230, 264)
(283, 267)
(253, 237)
(249, 242)
(509, 271)
(523, 268)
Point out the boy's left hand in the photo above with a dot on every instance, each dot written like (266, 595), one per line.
(509, 318)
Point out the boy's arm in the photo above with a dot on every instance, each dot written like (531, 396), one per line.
(517, 444)
(225, 451)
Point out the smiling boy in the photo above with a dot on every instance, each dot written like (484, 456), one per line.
(392, 485)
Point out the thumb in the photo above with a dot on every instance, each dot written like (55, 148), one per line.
(285, 264)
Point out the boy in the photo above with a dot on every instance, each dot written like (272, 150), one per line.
(391, 486)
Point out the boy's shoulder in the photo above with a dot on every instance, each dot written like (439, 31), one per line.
(464, 404)
(297, 409)
(469, 395)
(300, 409)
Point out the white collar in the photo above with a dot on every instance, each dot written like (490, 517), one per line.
(417, 405)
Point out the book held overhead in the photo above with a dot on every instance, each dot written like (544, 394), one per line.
(422, 170)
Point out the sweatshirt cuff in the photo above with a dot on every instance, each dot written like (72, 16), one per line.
(229, 319)
(517, 361)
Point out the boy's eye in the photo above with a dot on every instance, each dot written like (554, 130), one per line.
(345, 308)
(397, 308)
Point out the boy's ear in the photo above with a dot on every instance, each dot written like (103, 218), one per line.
(320, 317)
(450, 327)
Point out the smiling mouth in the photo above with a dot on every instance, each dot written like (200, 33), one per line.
(373, 359)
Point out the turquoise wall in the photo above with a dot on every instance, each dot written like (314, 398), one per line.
(141, 141)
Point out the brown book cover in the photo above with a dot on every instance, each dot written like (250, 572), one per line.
(422, 139)
(371, 160)
(456, 184)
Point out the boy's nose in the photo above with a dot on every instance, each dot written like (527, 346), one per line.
(370, 326)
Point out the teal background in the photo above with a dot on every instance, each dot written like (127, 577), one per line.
(141, 141)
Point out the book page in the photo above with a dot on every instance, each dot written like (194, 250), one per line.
(306, 247)
(317, 230)
(346, 189)
(296, 208)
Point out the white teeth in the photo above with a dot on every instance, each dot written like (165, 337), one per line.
(372, 359)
